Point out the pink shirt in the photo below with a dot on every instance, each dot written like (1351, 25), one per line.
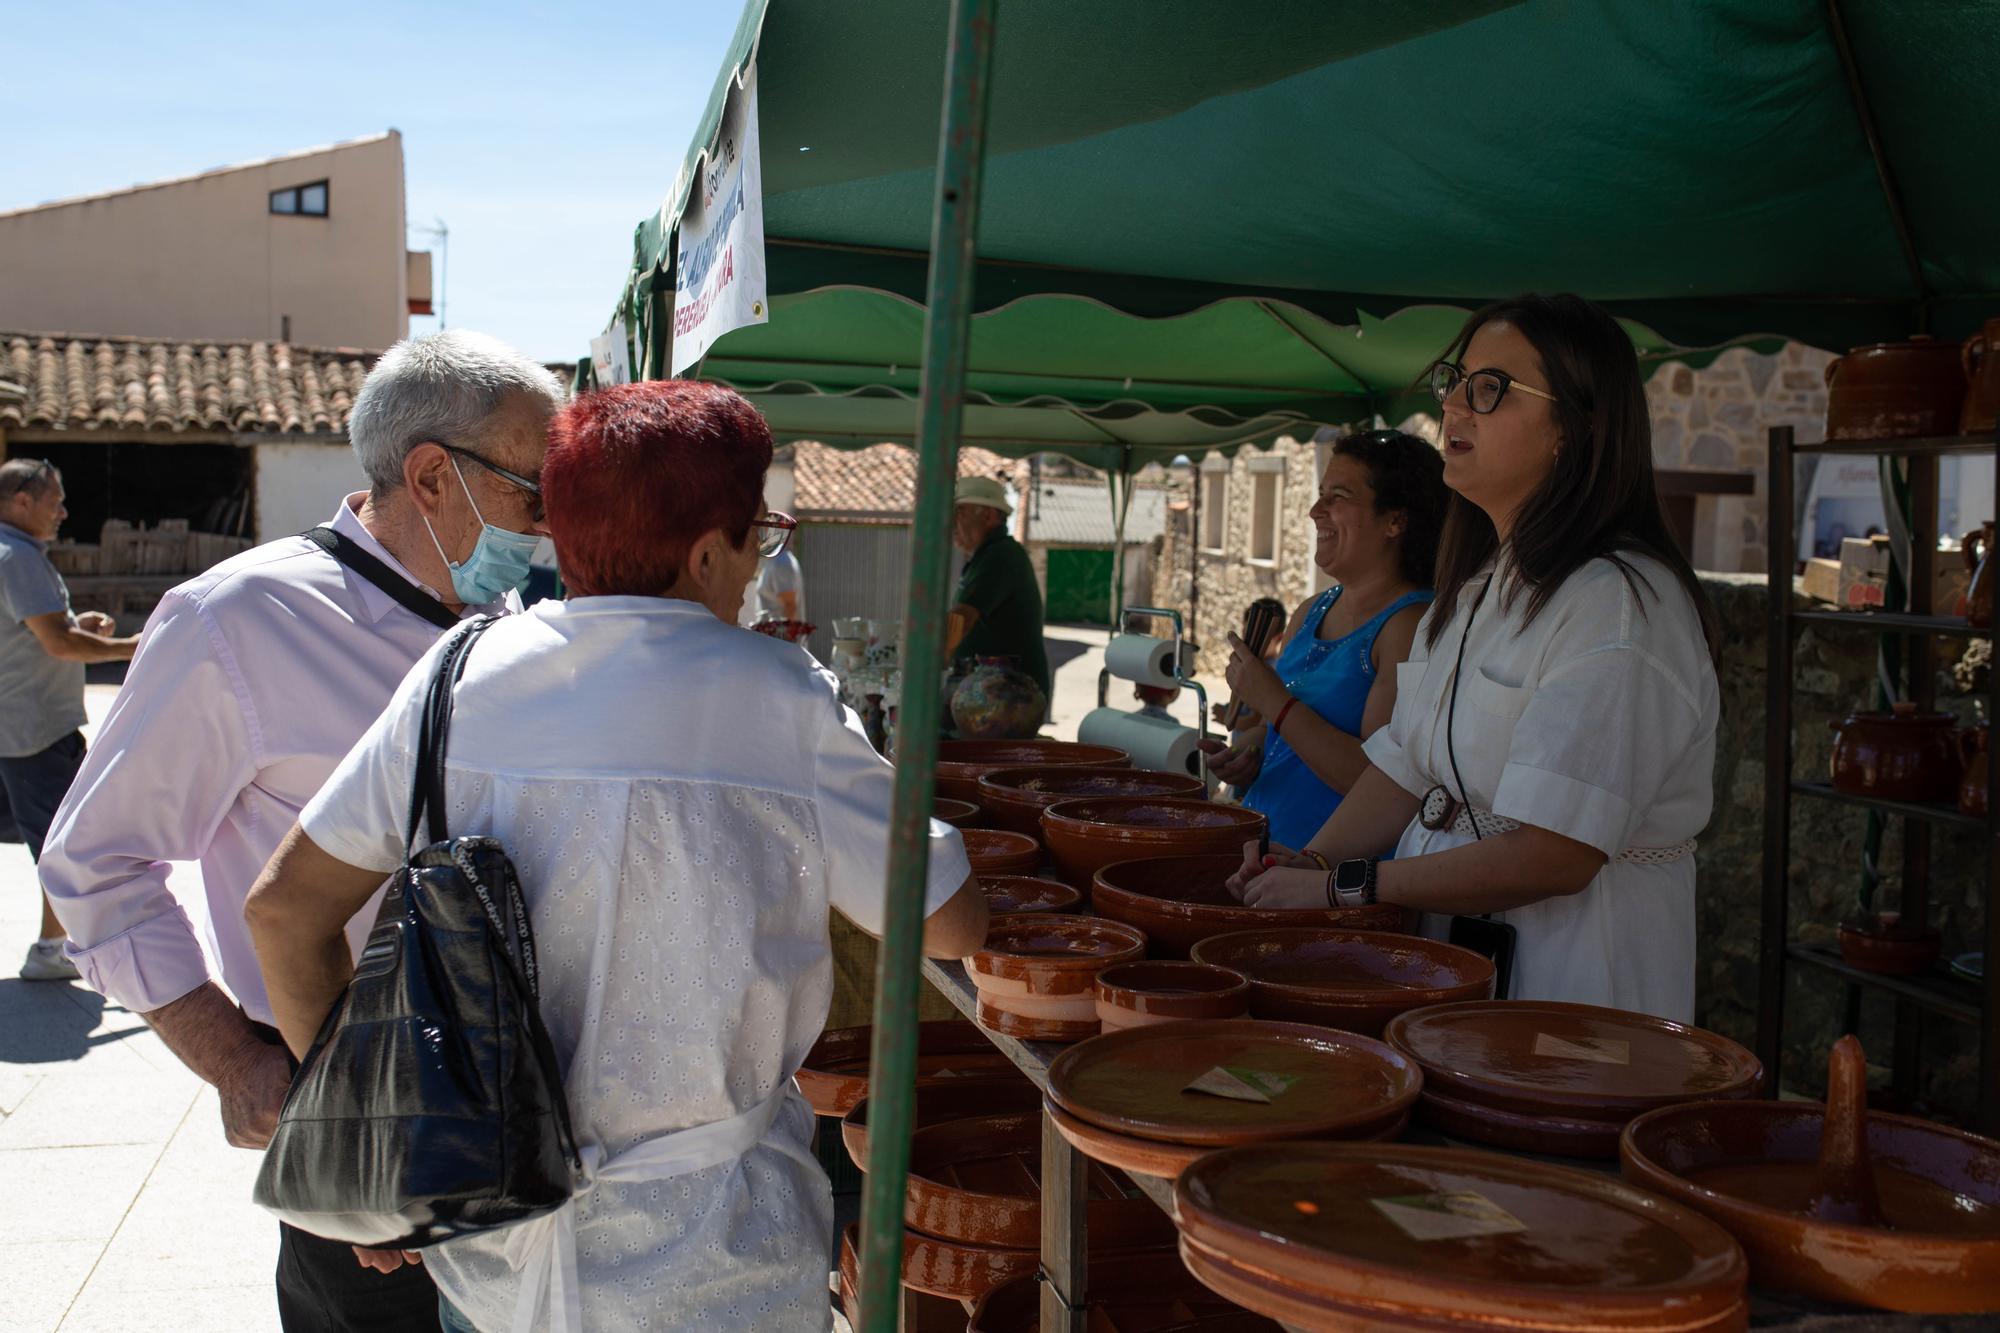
(251, 684)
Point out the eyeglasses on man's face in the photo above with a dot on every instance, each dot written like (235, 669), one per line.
(774, 531)
(530, 485)
(1483, 388)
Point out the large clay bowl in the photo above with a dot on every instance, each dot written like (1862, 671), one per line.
(954, 1099)
(1132, 995)
(1084, 836)
(1354, 980)
(1010, 895)
(1144, 1290)
(1941, 1254)
(921, 1312)
(1153, 1157)
(937, 1267)
(979, 1181)
(1014, 798)
(835, 1073)
(1356, 1232)
(1179, 901)
(958, 814)
(1036, 972)
(994, 852)
(962, 763)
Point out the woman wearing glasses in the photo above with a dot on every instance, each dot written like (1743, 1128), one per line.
(1548, 762)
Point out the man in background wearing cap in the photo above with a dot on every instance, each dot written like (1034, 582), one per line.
(997, 611)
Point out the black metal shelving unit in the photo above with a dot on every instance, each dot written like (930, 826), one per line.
(1939, 994)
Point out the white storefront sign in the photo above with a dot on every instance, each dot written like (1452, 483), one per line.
(719, 262)
(610, 354)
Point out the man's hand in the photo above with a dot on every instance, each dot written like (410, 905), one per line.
(253, 1085)
(95, 622)
(385, 1261)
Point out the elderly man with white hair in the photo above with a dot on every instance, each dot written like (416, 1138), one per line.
(997, 610)
(252, 681)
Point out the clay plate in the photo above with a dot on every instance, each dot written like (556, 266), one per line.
(957, 1099)
(1009, 895)
(1131, 995)
(1569, 1060)
(1561, 1248)
(1147, 1291)
(835, 1073)
(1134, 1082)
(958, 814)
(993, 852)
(1016, 797)
(1084, 836)
(1353, 980)
(1150, 1157)
(1919, 1268)
(980, 1181)
(1552, 1136)
(962, 763)
(1180, 901)
(1035, 975)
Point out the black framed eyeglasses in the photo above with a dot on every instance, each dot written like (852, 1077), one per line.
(512, 478)
(774, 532)
(1483, 388)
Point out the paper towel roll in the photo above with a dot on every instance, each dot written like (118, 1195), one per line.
(1153, 743)
(1140, 658)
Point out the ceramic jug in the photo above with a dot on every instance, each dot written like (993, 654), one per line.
(1901, 755)
(1982, 375)
(1978, 547)
(1906, 390)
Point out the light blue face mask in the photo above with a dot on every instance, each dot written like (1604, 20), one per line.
(499, 560)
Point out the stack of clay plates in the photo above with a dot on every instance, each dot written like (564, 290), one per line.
(1148, 1292)
(1344, 1236)
(1560, 1079)
(835, 1073)
(1153, 1099)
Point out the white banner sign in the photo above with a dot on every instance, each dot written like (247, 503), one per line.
(719, 265)
(611, 354)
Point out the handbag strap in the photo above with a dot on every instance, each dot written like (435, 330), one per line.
(405, 593)
(427, 791)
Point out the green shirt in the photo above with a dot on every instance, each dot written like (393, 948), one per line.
(999, 583)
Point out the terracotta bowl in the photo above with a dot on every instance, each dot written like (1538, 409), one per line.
(958, 814)
(921, 1312)
(1354, 980)
(1016, 797)
(1142, 1290)
(978, 1181)
(1133, 995)
(835, 1073)
(962, 763)
(1889, 949)
(1084, 836)
(1009, 895)
(1180, 901)
(955, 1099)
(1155, 1157)
(1036, 972)
(951, 1269)
(1685, 1153)
(993, 852)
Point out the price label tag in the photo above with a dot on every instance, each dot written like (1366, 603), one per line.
(1240, 1084)
(1453, 1216)
(1599, 1050)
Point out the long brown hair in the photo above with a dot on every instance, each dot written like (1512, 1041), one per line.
(1598, 499)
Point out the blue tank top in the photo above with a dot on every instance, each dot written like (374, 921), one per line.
(1331, 677)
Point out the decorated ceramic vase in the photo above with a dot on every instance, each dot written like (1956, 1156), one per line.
(996, 702)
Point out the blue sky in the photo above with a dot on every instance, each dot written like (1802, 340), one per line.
(540, 134)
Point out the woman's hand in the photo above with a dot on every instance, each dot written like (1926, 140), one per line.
(1236, 765)
(1257, 859)
(1253, 680)
(385, 1261)
(1283, 886)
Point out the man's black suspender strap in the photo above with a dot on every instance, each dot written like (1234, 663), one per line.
(407, 594)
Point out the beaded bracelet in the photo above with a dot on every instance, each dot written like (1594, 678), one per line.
(1318, 859)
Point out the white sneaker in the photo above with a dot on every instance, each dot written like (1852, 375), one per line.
(46, 962)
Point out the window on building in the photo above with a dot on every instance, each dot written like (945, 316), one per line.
(1214, 509)
(300, 200)
(1266, 488)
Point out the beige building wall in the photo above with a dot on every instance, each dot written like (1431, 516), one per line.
(204, 257)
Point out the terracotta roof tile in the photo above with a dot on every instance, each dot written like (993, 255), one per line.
(156, 385)
(879, 482)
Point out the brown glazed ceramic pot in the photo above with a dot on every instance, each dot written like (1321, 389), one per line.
(1010, 895)
(1016, 797)
(1901, 755)
(994, 852)
(1179, 901)
(1037, 972)
(1978, 546)
(1084, 836)
(1144, 1290)
(835, 1073)
(1134, 995)
(1884, 944)
(921, 1312)
(1354, 980)
(958, 814)
(1972, 787)
(954, 1099)
(1889, 391)
(1982, 374)
(962, 763)
(978, 1180)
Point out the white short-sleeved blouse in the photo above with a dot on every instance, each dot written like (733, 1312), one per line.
(682, 799)
(1597, 721)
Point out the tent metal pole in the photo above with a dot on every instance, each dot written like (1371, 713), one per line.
(947, 326)
(1893, 197)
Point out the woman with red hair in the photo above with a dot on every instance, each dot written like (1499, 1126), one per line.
(683, 800)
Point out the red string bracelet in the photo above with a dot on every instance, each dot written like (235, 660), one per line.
(1278, 722)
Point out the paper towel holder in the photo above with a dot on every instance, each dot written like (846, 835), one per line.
(1181, 677)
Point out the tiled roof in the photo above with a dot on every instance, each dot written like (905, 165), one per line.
(159, 384)
(1079, 514)
(879, 482)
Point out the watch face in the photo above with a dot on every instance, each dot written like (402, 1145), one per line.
(1351, 876)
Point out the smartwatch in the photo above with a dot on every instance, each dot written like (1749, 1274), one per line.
(1353, 883)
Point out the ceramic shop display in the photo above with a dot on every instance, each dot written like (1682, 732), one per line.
(1907, 390)
(1320, 1083)
(1347, 1236)
(961, 764)
(993, 852)
(997, 701)
(1883, 943)
(835, 1073)
(1180, 901)
(1133, 995)
(1139, 1292)
(1153, 1157)
(1036, 973)
(1901, 755)
(1016, 797)
(1083, 836)
(979, 1181)
(964, 1268)
(958, 814)
(1835, 1201)
(939, 1102)
(1982, 376)
(1010, 895)
(1354, 980)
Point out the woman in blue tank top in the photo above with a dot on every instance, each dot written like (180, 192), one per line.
(1381, 505)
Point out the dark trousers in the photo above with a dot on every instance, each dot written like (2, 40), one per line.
(321, 1289)
(36, 784)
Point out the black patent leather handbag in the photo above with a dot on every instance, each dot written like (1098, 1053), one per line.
(431, 1105)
